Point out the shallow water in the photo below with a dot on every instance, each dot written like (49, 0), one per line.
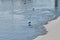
(14, 20)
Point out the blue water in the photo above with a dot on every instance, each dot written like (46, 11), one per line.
(14, 19)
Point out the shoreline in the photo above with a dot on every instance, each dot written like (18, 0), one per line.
(53, 30)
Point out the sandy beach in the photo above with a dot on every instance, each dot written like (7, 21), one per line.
(53, 28)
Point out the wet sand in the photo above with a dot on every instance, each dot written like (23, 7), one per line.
(53, 28)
